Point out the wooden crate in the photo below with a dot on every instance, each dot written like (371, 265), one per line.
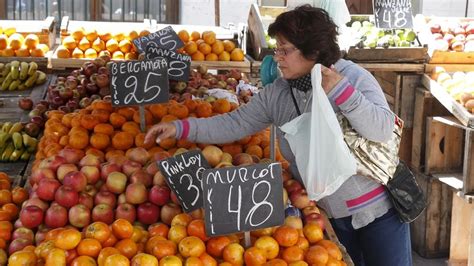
(444, 148)
(425, 105)
(41, 61)
(464, 116)
(44, 29)
(388, 55)
(430, 233)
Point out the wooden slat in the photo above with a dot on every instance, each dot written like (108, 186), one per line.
(460, 230)
(468, 171)
(388, 55)
(431, 231)
(418, 68)
(407, 99)
(450, 57)
(404, 151)
(41, 61)
(443, 147)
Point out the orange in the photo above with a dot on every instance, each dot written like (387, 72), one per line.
(313, 232)
(8, 52)
(84, 44)
(131, 127)
(37, 52)
(104, 253)
(212, 57)
(104, 128)
(195, 36)
(99, 141)
(197, 56)
(302, 243)
(91, 34)
(221, 106)
(177, 233)
(3, 41)
(78, 34)
(118, 55)
(171, 261)
(133, 34)
(224, 56)
(269, 244)
(22, 52)
(228, 45)
(237, 55)
(68, 239)
(99, 231)
(125, 46)
(216, 245)
(122, 229)
(191, 246)
(183, 35)
(254, 256)
(286, 236)
(63, 52)
(178, 110)
(116, 260)
(181, 219)
(163, 248)
(98, 45)
(204, 109)
(233, 253)
(122, 140)
(90, 53)
(275, 262)
(205, 48)
(83, 261)
(332, 248)
(218, 47)
(292, 254)
(112, 45)
(89, 247)
(119, 36)
(16, 41)
(317, 255)
(209, 37)
(148, 117)
(158, 229)
(127, 247)
(31, 41)
(144, 259)
(190, 47)
(207, 260)
(158, 110)
(77, 53)
(117, 120)
(197, 228)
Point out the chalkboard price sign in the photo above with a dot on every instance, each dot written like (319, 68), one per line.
(165, 38)
(393, 14)
(243, 198)
(179, 65)
(183, 173)
(139, 82)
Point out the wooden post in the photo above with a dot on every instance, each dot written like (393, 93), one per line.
(3, 9)
(468, 171)
(141, 109)
(217, 12)
(461, 232)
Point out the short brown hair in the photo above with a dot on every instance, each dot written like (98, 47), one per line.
(311, 30)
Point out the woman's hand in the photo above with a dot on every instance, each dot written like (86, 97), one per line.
(160, 132)
(330, 77)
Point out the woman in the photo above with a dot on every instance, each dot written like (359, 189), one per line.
(360, 209)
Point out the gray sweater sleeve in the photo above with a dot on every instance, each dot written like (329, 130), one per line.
(246, 120)
(366, 108)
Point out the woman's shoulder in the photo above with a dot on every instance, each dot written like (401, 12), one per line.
(355, 73)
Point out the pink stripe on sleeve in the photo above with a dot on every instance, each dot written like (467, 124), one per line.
(345, 95)
(365, 197)
(185, 133)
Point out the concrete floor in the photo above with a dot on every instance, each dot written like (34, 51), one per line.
(420, 261)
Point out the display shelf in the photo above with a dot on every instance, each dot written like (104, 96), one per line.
(44, 29)
(388, 55)
(464, 116)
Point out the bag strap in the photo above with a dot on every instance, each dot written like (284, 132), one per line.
(294, 102)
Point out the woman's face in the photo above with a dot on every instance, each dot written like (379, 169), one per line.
(291, 61)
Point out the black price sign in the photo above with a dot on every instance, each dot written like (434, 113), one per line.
(165, 38)
(139, 82)
(393, 14)
(179, 65)
(242, 198)
(183, 173)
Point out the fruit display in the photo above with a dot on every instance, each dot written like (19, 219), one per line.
(451, 35)
(460, 85)
(15, 44)
(205, 47)
(91, 43)
(18, 75)
(366, 35)
(15, 143)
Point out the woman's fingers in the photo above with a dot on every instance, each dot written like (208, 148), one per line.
(152, 133)
(159, 132)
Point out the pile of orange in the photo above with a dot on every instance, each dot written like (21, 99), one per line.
(15, 44)
(89, 43)
(206, 47)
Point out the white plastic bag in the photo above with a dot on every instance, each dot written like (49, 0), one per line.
(322, 157)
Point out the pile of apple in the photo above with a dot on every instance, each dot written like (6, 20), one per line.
(460, 85)
(369, 36)
(200, 81)
(452, 35)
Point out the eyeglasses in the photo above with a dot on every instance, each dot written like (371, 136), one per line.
(284, 51)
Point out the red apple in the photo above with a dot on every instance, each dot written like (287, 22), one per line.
(72, 156)
(139, 155)
(159, 195)
(152, 168)
(41, 234)
(24, 233)
(47, 188)
(86, 200)
(92, 173)
(52, 162)
(79, 216)
(315, 218)
(41, 173)
(136, 193)
(105, 197)
(107, 168)
(310, 209)
(299, 199)
(76, 180)
(129, 167)
(126, 211)
(159, 179)
(121, 199)
(197, 213)
(18, 244)
(174, 198)
(116, 182)
(141, 176)
(31, 216)
(169, 211)
(103, 213)
(292, 185)
(35, 202)
(148, 213)
(91, 190)
(65, 169)
(25, 103)
(90, 160)
(435, 28)
(66, 196)
(56, 216)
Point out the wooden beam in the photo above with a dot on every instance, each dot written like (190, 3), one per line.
(217, 12)
(3, 9)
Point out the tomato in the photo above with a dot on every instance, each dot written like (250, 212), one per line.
(122, 229)
(5, 196)
(99, 231)
(11, 209)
